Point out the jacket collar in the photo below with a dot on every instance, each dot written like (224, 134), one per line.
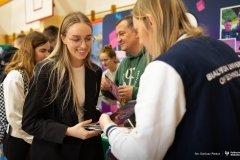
(140, 53)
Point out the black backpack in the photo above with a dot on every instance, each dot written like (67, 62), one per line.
(3, 118)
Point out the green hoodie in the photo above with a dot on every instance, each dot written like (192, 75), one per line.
(129, 72)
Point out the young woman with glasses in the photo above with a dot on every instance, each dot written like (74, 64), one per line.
(63, 96)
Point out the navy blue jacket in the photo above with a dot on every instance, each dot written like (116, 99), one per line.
(210, 72)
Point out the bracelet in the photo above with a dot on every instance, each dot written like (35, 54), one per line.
(109, 128)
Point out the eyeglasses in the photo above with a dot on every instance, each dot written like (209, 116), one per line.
(78, 41)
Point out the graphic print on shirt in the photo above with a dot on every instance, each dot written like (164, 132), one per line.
(130, 76)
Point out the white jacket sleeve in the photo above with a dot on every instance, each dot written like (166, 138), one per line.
(159, 109)
(14, 99)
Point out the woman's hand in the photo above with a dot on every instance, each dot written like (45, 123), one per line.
(79, 131)
(104, 85)
(105, 120)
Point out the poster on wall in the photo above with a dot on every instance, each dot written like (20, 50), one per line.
(230, 26)
(97, 45)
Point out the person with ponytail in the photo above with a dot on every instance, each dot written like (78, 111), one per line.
(109, 61)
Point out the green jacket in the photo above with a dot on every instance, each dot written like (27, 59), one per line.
(129, 71)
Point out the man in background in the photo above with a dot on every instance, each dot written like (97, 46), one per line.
(18, 41)
(52, 33)
(132, 66)
(227, 31)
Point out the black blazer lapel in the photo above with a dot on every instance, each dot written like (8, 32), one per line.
(72, 110)
(90, 93)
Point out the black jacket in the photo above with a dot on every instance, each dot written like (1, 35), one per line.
(48, 124)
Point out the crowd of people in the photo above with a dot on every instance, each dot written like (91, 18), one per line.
(185, 83)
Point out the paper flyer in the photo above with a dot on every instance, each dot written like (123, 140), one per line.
(114, 91)
(118, 117)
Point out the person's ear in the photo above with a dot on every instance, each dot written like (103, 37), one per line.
(149, 20)
(136, 32)
(63, 39)
(115, 59)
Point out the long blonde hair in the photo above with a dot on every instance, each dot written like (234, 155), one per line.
(24, 58)
(60, 66)
(170, 19)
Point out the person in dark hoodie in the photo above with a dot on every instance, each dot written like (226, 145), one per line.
(5, 59)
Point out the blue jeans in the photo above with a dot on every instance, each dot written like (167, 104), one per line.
(2, 157)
